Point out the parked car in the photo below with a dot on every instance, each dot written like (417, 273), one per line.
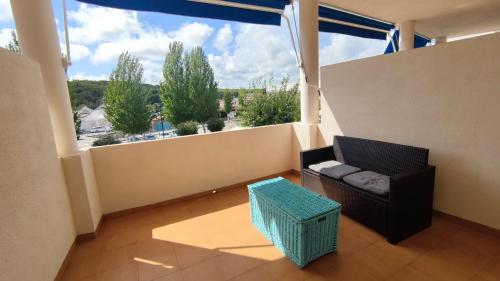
(133, 139)
(149, 137)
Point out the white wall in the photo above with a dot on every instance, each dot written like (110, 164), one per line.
(83, 192)
(445, 98)
(36, 229)
(132, 175)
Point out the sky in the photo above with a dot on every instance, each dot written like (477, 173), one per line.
(237, 52)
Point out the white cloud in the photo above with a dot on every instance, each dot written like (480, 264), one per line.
(5, 36)
(98, 24)
(78, 51)
(102, 34)
(153, 44)
(5, 11)
(84, 76)
(192, 34)
(153, 71)
(223, 38)
(260, 51)
(344, 48)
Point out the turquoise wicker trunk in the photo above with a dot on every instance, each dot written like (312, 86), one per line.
(300, 223)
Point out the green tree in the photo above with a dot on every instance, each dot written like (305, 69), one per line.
(126, 99)
(76, 119)
(277, 106)
(188, 91)
(228, 102)
(201, 86)
(177, 105)
(13, 45)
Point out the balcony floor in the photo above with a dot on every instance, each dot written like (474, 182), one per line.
(212, 238)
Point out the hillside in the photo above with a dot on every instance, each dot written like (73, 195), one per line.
(90, 93)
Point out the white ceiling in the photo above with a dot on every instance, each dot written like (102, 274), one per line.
(432, 18)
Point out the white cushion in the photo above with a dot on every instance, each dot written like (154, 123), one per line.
(322, 165)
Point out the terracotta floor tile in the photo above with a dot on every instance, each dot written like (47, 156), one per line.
(408, 273)
(96, 277)
(478, 278)
(88, 248)
(206, 271)
(325, 263)
(191, 255)
(352, 227)
(422, 242)
(347, 269)
(491, 271)
(176, 276)
(128, 272)
(118, 240)
(477, 242)
(80, 267)
(283, 269)
(212, 238)
(149, 248)
(232, 265)
(259, 273)
(443, 227)
(450, 262)
(349, 244)
(116, 258)
(157, 266)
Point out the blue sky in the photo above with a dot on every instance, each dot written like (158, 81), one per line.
(237, 52)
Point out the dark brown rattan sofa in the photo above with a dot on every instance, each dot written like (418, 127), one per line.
(404, 211)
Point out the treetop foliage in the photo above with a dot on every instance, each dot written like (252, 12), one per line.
(125, 99)
(188, 91)
(13, 45)
(269, 106)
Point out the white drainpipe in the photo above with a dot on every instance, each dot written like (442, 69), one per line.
(309, 85)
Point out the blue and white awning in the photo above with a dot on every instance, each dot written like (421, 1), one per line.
(419, 42)
(266, 12)
(334, 20)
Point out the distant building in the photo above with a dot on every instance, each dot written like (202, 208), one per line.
(157, 125)
(84, 111)
(236, 103)
(95, 121)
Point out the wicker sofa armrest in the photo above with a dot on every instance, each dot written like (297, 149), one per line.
(412, 176)
(312, 156)
(410, 203)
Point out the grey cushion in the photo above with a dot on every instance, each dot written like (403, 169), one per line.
(322, 165)
(339, 171)
(370, 181)
(337, 151)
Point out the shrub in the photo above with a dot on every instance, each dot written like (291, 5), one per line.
(187, 128)
(215, 124)
(277, 106)
(106, 140)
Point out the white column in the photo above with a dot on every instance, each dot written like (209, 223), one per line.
(37, 31)
(309, 45)
(407, 35)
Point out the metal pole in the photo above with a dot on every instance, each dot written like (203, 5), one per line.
(66, 35)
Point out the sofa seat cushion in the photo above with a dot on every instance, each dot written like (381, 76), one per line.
(323, 165)
(370, 181)
(339, 171)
